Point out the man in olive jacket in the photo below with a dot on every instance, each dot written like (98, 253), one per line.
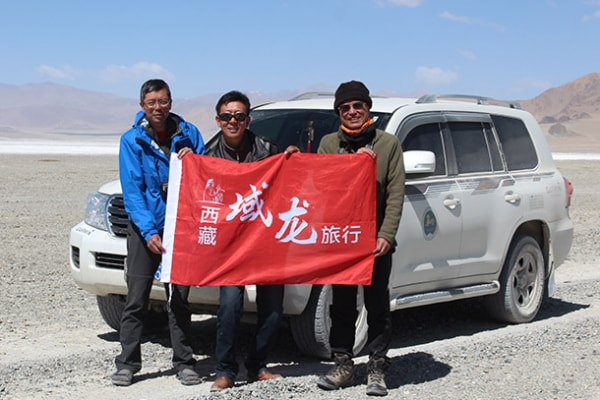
(357, 134)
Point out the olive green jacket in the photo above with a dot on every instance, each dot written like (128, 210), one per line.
(390, 178)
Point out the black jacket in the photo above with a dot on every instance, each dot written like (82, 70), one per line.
(260, 147)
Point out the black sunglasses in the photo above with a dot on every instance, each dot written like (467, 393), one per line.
(225, 117)
(357, 105)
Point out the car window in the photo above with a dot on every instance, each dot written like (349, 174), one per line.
(427, 137)
(302, 128)
(517, 146)
(470, 147)
(294, 127)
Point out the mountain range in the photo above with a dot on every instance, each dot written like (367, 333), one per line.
(569, 114)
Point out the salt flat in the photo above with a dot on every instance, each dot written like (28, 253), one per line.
(111, 147)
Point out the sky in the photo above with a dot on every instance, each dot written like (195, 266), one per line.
(511, 49)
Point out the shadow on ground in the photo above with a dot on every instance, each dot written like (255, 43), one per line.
(411, 327)
(422, 325)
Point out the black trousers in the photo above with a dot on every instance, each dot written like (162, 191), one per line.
(379, 318)
(141, 267)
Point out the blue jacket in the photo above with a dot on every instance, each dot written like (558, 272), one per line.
(144, 171)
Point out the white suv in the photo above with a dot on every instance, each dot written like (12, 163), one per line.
(485, 214)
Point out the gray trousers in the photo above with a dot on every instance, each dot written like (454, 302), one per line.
(141, 267)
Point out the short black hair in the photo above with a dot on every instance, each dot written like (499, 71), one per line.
(153, 85)
(233, 95)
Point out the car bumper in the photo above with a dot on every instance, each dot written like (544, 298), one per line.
(97, 262)
(562, 239)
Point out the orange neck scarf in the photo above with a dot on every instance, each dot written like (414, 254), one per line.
(356, 131)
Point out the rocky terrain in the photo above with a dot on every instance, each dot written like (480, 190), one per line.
(54, 344)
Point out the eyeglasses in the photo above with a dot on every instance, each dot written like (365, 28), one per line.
(160, 102)
(226, 117)
(358, 105)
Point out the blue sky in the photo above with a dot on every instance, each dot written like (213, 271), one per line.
(513, 49)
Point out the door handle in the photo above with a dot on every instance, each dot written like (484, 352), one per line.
(512, 198)
(451, 203)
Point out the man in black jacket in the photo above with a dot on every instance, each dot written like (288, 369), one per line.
(236, 142)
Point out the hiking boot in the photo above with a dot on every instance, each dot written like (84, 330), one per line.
(341, 375)
(376, 368)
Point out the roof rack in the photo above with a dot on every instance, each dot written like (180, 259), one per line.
(432, 98)
(311, 95)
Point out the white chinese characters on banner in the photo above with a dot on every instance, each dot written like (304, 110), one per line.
(247, 209)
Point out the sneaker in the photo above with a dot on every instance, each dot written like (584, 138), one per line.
(376, 368)
(263, 375)
(123, 377)
(188, 376)
(340, 376)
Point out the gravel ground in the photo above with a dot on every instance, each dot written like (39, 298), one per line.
(54, 344)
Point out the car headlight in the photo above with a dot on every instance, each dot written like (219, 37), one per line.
(95, 210)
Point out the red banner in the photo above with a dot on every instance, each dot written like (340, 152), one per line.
(309, 218)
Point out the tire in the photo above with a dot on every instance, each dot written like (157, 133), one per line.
(522, 283)
(311, 328)
(111, 309)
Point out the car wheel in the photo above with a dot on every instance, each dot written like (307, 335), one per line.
(522, 283)
(111, 308)
(311, 328)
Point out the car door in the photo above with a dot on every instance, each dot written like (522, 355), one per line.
(490, 204)
(429, 233)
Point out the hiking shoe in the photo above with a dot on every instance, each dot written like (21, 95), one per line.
(340, 376)
(188, 376)
(376, 368)
(123, 377)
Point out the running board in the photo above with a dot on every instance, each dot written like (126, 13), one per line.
(442, 296)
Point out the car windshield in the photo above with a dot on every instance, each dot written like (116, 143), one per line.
(303, 128)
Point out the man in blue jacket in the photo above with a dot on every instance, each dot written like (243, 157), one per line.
(144, 155)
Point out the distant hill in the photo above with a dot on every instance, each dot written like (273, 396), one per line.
(48, 107)
(574, 100)
(32, 110)
(568, 114)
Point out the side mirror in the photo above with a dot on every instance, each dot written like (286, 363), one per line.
(419, 162)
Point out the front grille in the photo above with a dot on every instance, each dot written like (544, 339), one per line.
(112, 261)
(117, 217)
(75, 256)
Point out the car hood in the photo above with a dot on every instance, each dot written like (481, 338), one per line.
(113, 187)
